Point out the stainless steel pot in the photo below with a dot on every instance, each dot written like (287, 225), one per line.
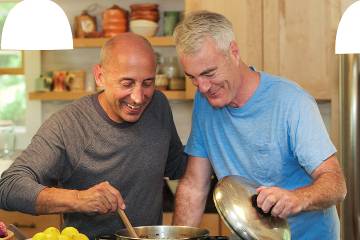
(165, 232)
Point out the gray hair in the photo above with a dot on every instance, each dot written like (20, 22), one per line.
(199, 25)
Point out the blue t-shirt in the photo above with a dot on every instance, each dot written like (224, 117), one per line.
(276, 139)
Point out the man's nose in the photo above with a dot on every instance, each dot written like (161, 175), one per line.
(137, 95)
(203, 84)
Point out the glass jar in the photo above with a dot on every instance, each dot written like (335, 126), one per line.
(170, 68)
(171, 19)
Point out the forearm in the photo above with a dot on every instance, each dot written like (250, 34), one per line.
(327, 190)
(56, 200)
(189, 203)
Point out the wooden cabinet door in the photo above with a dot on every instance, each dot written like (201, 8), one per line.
(246, 17)
(299, 42)
(29, 224)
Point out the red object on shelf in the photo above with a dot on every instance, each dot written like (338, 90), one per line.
(114, 21)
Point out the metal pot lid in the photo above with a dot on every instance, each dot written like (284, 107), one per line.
(235, 200)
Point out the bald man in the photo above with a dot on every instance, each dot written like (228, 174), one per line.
(102, 152)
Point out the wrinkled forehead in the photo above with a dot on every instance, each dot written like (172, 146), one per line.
(129, 57)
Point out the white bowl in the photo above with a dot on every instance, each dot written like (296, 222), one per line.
(144, 28)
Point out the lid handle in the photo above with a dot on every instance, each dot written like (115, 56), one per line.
(259, 210)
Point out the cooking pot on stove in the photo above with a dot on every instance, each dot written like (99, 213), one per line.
(235, 201)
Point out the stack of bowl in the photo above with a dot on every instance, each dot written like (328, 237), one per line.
(144, 19)
(114, 21)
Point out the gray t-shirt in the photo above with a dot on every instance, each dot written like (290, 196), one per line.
(80, 146)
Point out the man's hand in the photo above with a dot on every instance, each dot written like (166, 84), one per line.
(281, 202)
(101, 198)
(327, 189)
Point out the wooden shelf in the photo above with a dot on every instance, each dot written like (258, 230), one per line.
(99, 42)
(51, 96)
(69, 96)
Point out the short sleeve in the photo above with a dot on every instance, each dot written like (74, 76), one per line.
(309, 139)
(195, 144)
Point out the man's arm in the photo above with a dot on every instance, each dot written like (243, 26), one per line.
(328, 189)
(192, 191)
(101, 198)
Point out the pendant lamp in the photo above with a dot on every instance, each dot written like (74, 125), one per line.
(36, 25)
(348, 32)
(348, 46)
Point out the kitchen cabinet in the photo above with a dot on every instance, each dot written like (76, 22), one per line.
(30, 224)
(299, 42)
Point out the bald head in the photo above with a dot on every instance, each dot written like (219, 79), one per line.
(127, 45)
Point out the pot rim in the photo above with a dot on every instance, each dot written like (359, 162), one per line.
(206, 232)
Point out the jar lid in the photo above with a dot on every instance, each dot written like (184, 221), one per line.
(235, 201)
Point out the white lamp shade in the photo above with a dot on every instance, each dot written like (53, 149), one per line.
(36, 25)
(348, 32)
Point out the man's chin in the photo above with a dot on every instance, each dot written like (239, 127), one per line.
(217, 103)
(131, 118)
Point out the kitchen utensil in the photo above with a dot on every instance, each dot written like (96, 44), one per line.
(165, 232)
(19, 235)
(235, 200)
(127, 223)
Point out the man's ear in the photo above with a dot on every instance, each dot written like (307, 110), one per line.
(234, 51)
(98, 75)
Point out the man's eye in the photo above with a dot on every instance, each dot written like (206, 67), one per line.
(209, 75)
(126, 83)
(148, 83)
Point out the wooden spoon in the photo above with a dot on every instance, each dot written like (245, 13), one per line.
(127, 223)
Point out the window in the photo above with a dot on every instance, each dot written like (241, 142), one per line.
(12, 80)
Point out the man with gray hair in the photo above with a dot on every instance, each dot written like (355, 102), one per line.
(102, 151)
(256, 125)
